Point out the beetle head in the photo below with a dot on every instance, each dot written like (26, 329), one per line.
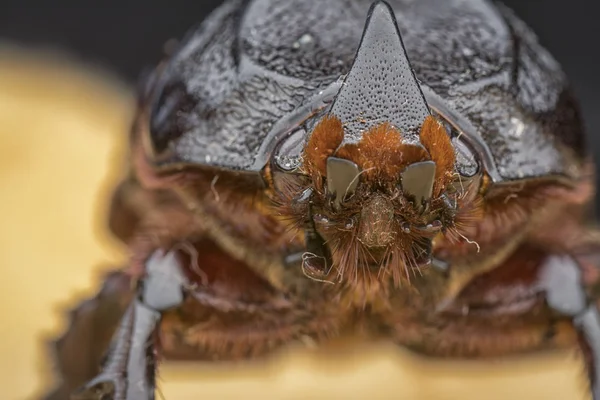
(378, 167)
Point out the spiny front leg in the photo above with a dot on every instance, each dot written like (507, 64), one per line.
(129, 369)
(80, 350)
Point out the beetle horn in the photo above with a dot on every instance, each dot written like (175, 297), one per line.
(381, 85)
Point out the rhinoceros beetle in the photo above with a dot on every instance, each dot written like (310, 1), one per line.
(298, 173)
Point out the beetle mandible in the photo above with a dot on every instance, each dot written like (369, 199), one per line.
(299, 172)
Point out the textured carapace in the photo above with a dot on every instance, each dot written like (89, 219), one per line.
(245, 69)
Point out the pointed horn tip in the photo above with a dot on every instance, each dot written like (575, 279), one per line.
(381, 43)
(381, 12)
(380, 6)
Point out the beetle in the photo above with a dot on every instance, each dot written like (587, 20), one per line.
(297, 172)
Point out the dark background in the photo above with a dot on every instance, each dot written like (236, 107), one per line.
(129, 35)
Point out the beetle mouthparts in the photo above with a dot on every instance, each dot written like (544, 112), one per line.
(342, 179)
(417, 181)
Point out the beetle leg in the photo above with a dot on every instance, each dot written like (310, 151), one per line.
(129, 369)
(565, 294)
(80, 350)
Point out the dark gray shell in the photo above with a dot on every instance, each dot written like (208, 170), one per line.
(253, 62)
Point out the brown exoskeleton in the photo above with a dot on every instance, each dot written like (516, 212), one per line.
(295, 175)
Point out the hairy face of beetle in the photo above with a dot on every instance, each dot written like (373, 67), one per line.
(372, 207)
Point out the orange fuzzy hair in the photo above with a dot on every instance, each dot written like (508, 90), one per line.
(380, 153)
(437, 142)
(323, 142)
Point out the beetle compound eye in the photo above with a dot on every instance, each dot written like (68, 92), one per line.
(467, 164)
(285, 168)
(288, 154)
(168, 116)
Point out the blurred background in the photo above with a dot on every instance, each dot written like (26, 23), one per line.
(67, 71)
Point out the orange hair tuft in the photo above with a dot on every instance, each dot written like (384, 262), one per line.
(381, 153)
(323, 142)
(436, 140)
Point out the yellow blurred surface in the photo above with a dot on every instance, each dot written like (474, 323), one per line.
(62, 131)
